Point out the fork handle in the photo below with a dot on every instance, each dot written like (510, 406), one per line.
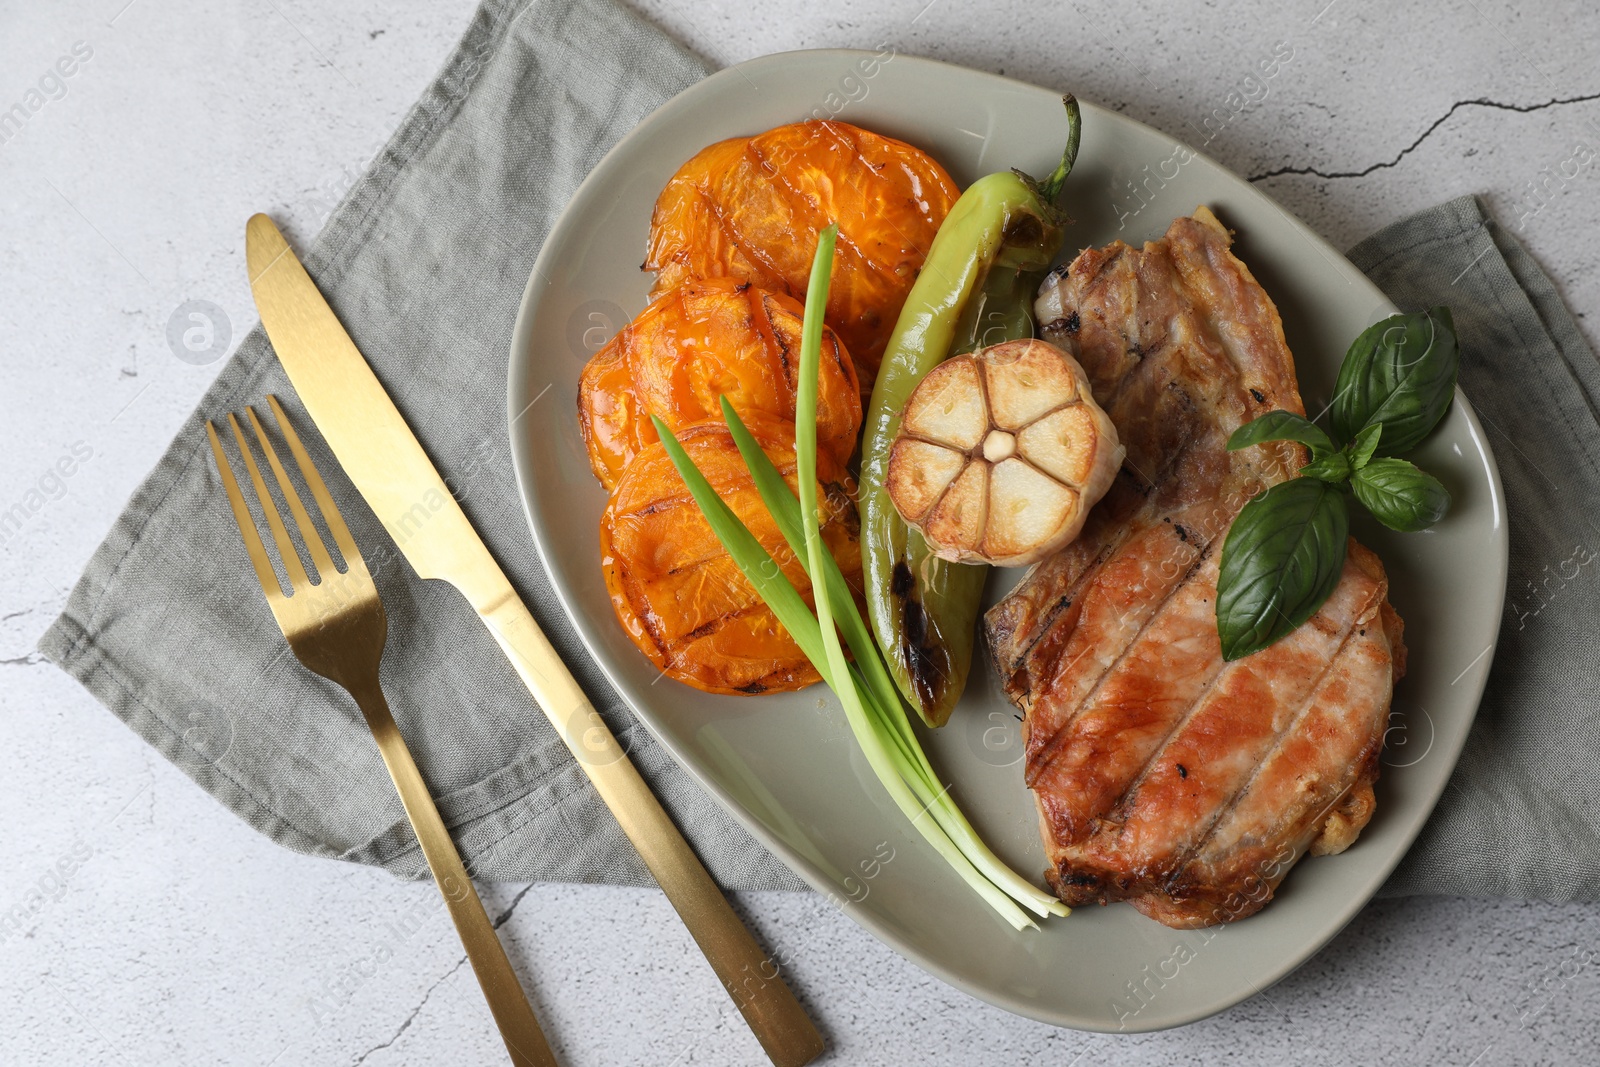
(524, 1040)
(750, 975)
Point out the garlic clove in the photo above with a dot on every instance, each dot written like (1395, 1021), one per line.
(1026, 509)
(955, 525)
(918, 472)
(948, 406)
(1064, 444)
(1026, 382)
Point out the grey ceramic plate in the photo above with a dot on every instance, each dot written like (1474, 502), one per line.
(785, 765)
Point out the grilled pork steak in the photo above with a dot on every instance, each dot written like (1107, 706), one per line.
(1164, 775)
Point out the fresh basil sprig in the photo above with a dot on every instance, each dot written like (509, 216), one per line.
(1286, 549)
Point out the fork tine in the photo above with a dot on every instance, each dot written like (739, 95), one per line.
(246, 523)
(291, 558)
(319, 490)
(302, 519)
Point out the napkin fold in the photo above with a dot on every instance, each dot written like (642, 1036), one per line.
(425, 261)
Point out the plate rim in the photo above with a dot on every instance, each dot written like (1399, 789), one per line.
(519, 367)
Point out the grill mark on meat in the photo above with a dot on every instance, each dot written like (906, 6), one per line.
(1181, 720)
(1120, 808)
(1133, 710)
(1038, 763)
(1188, 437)
(1304, 709)
(1052, 616)
(1199, 538)
(1174, 387)
(1089, 645)
(1106, 263)
(1311, 689)
(1324, 698)
(1232, 877)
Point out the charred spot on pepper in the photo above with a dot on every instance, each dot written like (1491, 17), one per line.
(922, 660)
(1258, 396)
(914, 623)
(901, 581)
(1183, 772)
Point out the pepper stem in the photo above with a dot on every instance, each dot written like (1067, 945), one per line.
(1051, 187)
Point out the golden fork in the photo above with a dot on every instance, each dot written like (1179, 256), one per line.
(337, 628)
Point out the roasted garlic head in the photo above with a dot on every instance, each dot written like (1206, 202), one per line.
(1001, 453)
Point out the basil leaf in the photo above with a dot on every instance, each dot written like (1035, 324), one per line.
(1281, 561)
(1280, 426)
(1364, 445)
(1400, 495)
(1400, 372)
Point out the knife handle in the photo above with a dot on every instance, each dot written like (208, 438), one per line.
(749, 974)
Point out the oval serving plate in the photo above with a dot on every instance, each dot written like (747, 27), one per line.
(785, 765)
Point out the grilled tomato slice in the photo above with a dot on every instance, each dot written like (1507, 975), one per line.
(751, 208)
(703, 340)
(678, 594)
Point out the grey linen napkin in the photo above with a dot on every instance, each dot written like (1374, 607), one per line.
(1521, 815)
(425, 261)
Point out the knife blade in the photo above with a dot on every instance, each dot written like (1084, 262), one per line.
(387, 463)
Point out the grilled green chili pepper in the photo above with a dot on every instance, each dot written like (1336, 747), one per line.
(976, 289)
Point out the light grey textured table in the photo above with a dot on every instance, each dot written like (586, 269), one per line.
(141, 924)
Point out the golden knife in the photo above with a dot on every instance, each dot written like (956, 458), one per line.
(387, 464)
